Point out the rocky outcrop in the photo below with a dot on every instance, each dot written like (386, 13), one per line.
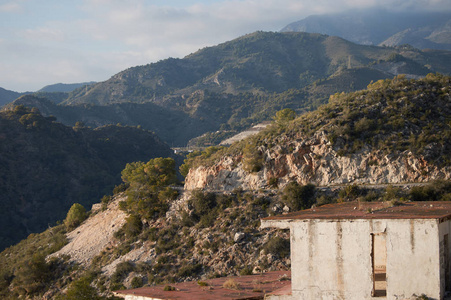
(223, 248)
(314, 160)
(95, 234)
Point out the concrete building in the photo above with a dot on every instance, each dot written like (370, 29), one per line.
(368, 251)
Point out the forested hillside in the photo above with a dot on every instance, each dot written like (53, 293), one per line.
(396, 133)
(45, 167)
(8, 96)
(240, 82)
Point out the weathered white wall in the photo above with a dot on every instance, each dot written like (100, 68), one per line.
(331, 259)
(413, 261)
(379, 252)
(444, 228)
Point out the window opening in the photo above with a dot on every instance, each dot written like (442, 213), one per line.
(379, 264)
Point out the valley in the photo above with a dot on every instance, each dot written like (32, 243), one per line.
(234, 85)
(161, 233)
(314, 119)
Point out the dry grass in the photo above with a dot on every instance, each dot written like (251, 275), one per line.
(231, 284)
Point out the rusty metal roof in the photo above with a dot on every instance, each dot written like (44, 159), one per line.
(249, 287)
(373, 210)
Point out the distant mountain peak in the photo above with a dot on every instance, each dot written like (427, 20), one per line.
(238, 83)
(381, 27)
(64, 87)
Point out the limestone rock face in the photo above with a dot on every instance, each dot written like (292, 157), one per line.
(314, 160)
(95, 234)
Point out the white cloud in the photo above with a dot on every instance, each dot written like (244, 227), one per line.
(106, 36)
(10, 7)
(180, 31)
(44, 34)
(401, 5)
(142, 26)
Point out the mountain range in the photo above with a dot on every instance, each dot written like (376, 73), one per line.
(389, 142)
(421, 30)
(348, 114)
(54, 92)
(237, 83)
(64, 87)
(7, 96)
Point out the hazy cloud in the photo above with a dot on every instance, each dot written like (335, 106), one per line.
(102, 37)
(10, 7)
(44, 33)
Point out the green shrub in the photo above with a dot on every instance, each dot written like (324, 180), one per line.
(115, 286)
(163, 259)
(284, 116)
(325, 199)
(273, 182)
(246, 271)
(203, 203)
(122, 270)
(5, 279)
(208, 220)
(392, 193)
(297, 196)
(33, 275)
(224, 201)
(137, 282)
(75, 215)
(189, 270)
(167, 194)
(371, 196)
(168, 239)
(120, 188)
(434, 191)
(277, 246)
(81, 290)
(149, 194)
(168, 288)
(350, 192)
(105, 200)
(151, 234)
(133, 226)
(252, 158)
(262, 202)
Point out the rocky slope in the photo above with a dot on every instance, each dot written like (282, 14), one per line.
(94, 235)
(231, 244)
(396, 131)
(314, 160)
(352, 142)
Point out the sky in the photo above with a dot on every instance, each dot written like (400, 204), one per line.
(44, 42)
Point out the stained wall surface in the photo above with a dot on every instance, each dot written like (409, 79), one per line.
(332, 259)
(445, 255)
